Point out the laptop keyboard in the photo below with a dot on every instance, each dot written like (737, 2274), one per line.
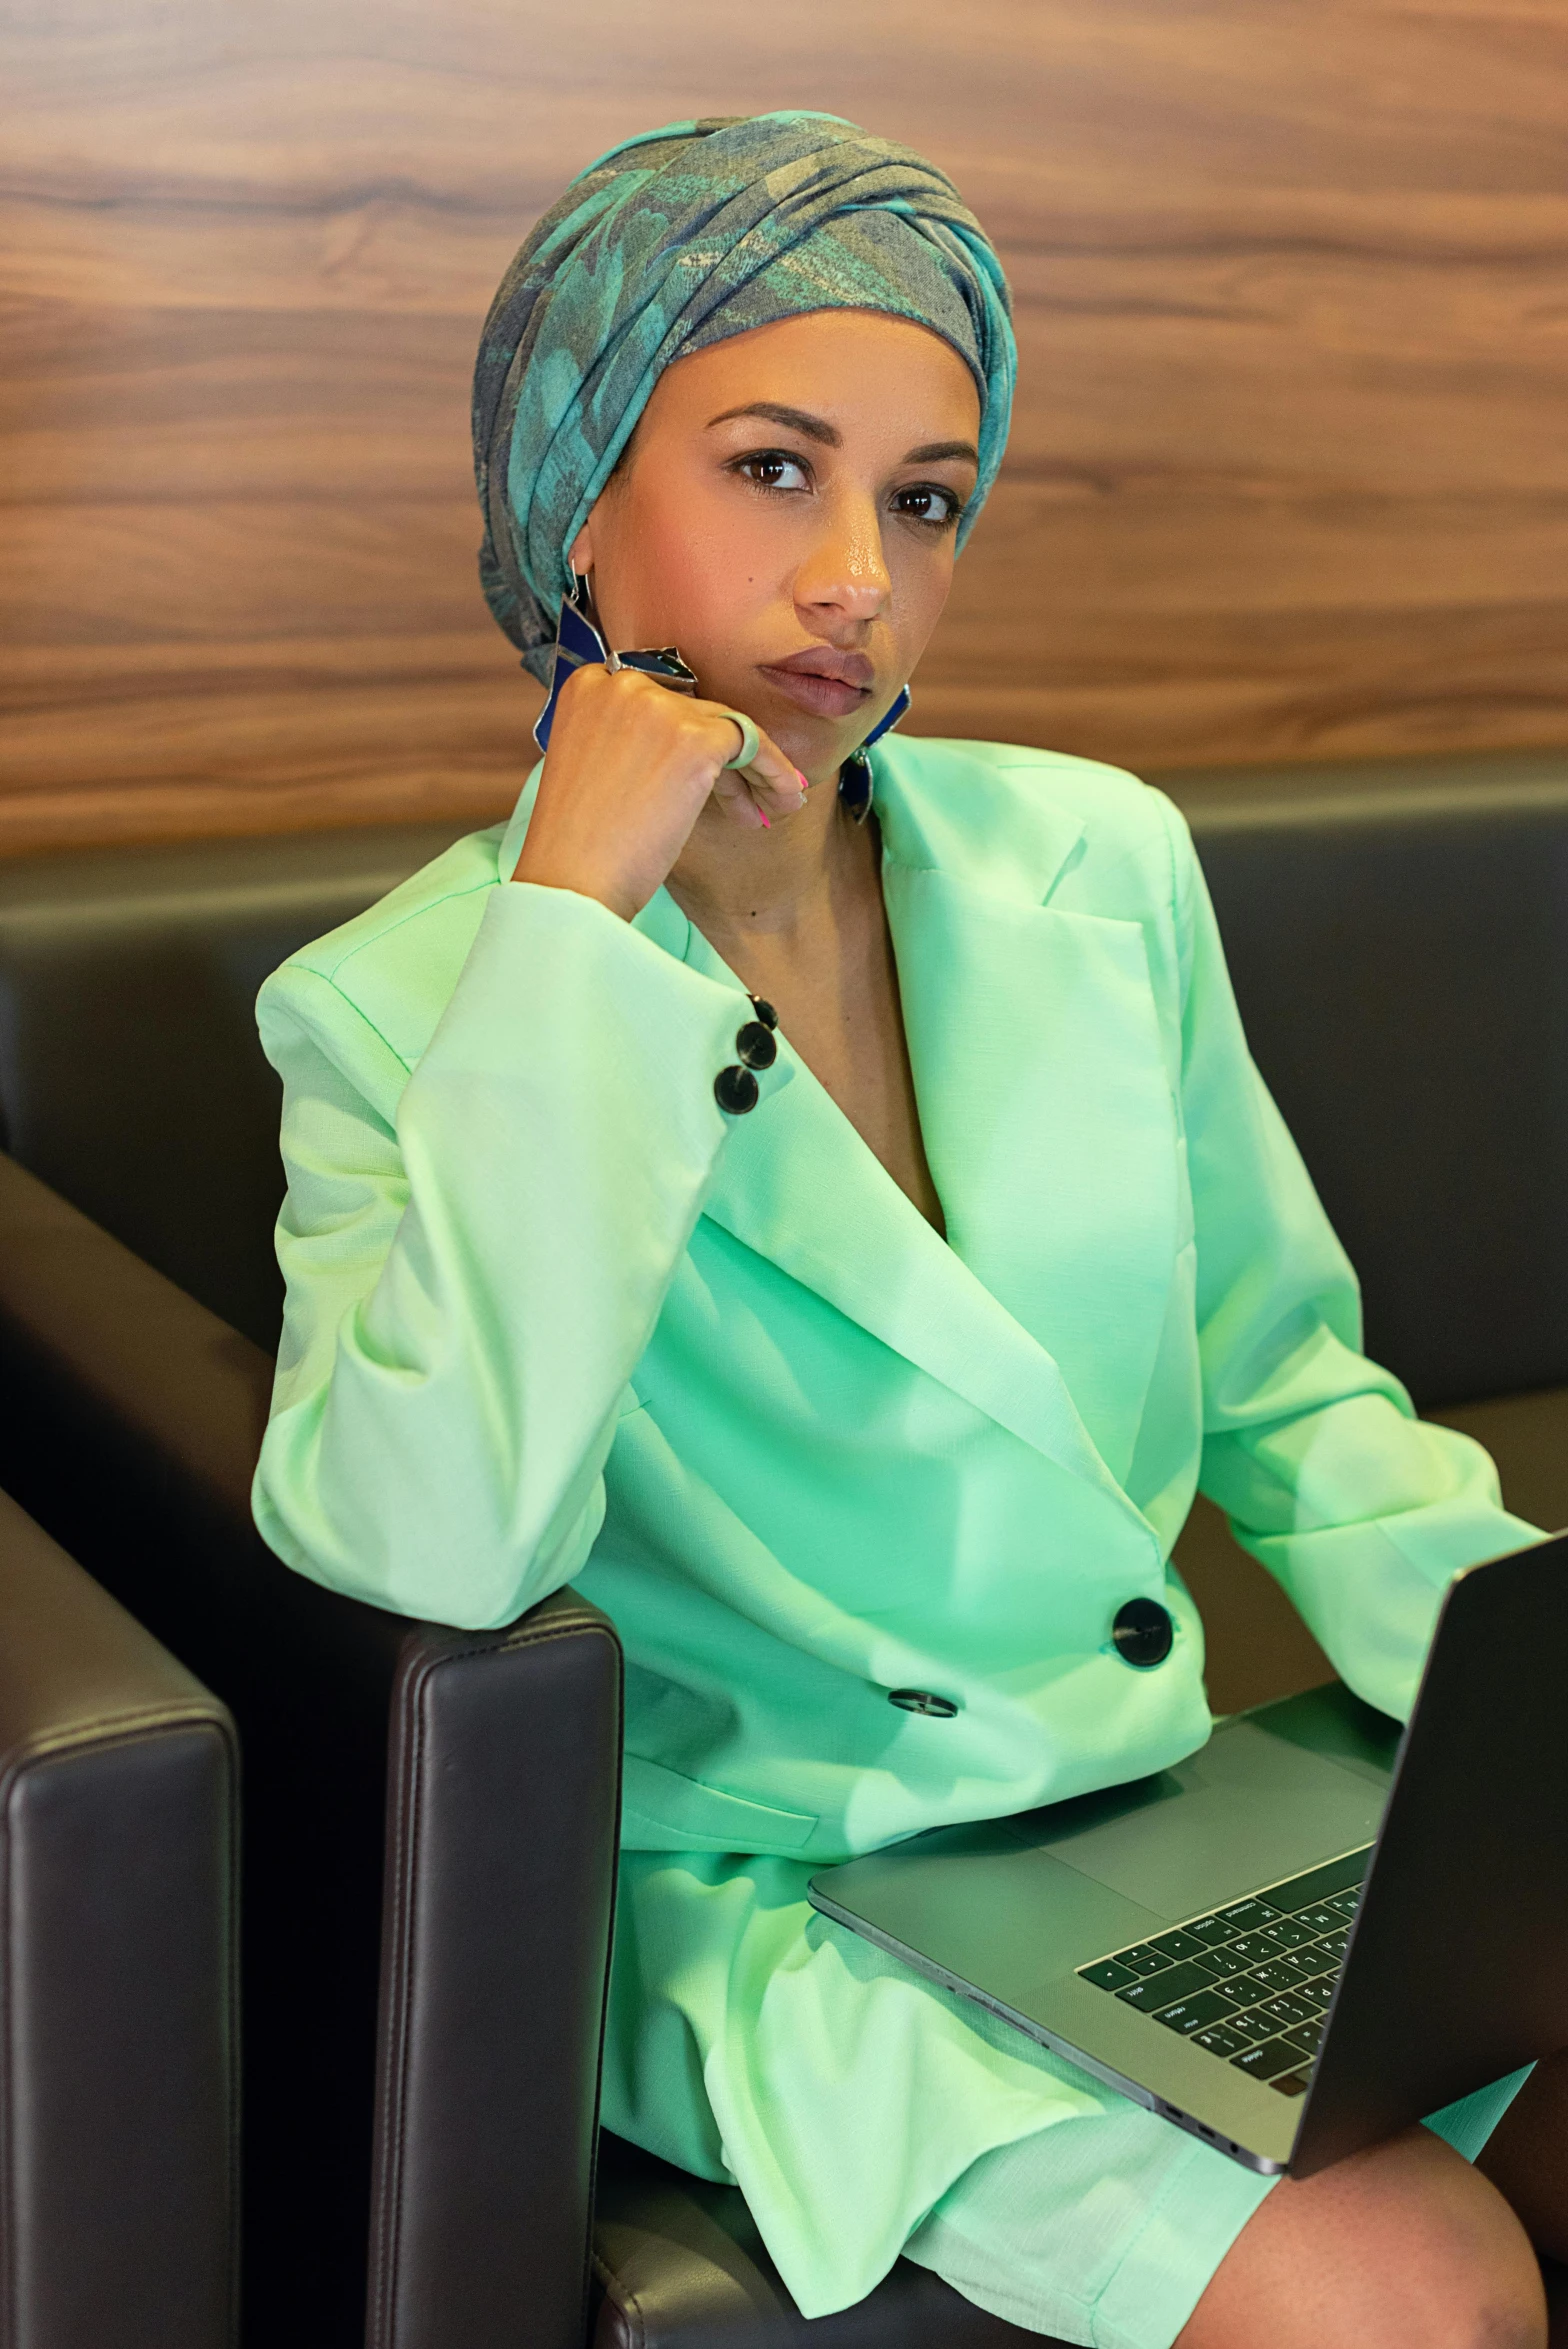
(1250, 1983)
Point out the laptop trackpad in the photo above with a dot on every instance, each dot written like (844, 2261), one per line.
(1244, 1811)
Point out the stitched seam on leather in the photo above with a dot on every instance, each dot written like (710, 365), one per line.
(109, 1729)
(627, 2302)
(236, 2020)
(521, 1636)
(604, 2002)
(394, 2066)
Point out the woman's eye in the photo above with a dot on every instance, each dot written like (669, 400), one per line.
(774, 469)
(926, 501)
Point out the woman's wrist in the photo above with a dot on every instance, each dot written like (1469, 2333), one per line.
(545, 872)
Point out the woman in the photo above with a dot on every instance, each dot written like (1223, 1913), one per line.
(859, 1344)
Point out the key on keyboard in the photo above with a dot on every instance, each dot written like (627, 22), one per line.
(1251, 1981)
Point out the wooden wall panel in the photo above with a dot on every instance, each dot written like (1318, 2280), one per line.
(1289, 477)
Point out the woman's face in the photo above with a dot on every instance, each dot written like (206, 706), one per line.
(786, 517)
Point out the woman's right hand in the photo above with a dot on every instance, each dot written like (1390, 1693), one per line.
(630, 768)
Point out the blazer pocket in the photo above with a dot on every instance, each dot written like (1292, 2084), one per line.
(666, 1811)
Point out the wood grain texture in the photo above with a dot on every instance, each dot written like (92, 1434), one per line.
(1289, 476)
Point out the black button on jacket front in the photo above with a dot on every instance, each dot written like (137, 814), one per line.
(1142, 1633)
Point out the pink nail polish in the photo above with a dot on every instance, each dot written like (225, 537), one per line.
(766, 826)
(803, 780)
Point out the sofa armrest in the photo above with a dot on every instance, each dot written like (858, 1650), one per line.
(430, 1828)
(118, 1973)
(502, 1834)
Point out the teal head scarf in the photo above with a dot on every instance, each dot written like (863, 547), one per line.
(682, 238)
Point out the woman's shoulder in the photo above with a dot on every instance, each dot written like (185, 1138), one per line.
(394, 965)
(1076, 829)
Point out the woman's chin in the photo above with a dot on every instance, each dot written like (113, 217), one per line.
(817, 763)
(816, 743)
(817, 746)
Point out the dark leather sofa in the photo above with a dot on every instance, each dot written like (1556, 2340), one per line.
(429, 1832)
(118, 1973)
(430, 1816)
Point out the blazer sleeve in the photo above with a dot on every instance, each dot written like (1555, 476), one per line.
(1361, 1511)
(476, 1254)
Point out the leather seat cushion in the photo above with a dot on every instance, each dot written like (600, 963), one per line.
(680, 2265)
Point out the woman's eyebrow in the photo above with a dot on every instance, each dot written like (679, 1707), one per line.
(793, 419)
(931, 452)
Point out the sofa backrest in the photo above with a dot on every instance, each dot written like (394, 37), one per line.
(1396, 935)
(1398, 938)
(131, 1077)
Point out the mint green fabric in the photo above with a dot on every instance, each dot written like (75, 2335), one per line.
(749, 2038)
(677, 239)
(551, 1315)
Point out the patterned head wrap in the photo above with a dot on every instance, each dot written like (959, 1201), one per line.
(682, 238)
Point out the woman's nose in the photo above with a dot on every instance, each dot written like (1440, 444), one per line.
(846, 570)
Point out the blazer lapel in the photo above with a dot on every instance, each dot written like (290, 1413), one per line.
(798, 1185)
(1049, 1128)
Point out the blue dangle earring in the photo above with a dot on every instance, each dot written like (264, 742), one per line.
(579, 642)
(854, 776)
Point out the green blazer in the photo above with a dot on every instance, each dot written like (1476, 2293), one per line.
(553, 1314)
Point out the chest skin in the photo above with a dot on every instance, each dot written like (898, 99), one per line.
(830, 971)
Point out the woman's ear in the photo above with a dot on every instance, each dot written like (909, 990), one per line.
(581, 556)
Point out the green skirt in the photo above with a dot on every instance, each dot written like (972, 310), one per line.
(865, 2113)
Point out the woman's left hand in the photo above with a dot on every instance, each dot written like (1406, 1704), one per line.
(629, 770)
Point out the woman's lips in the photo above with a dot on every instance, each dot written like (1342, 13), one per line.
(824, 697)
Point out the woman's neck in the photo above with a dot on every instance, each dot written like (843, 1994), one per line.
(769, 891)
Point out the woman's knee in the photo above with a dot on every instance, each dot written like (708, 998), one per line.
(1404, 2247)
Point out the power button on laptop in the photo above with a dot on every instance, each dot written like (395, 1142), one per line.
(1142, 1633)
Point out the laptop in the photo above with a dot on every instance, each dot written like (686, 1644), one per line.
(1312, 1932)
